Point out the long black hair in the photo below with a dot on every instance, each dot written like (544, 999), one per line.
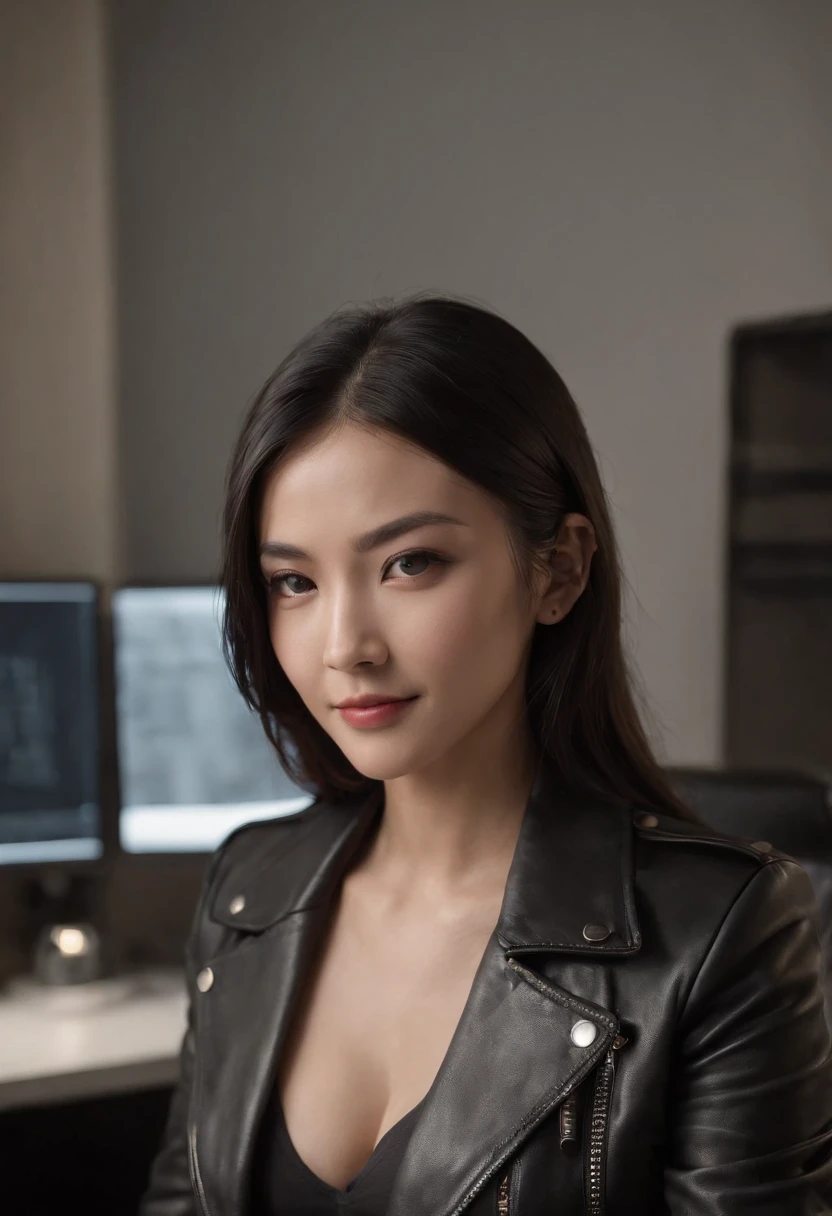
(468, 387)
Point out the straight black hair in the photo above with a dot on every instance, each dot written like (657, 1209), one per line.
(469, 388)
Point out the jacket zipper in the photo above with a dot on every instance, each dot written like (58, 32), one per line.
(503, 1196)
(196, 1180)
(569, 1132)
(598, 1122)
(598, 1130)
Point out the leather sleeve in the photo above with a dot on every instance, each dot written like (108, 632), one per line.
(169, 1191)
(750, 1113)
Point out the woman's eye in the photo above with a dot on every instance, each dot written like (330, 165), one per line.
(275, 582)
(415, 556)
(424, 558)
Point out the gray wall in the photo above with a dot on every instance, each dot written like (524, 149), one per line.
(58, 501)
(623, 181)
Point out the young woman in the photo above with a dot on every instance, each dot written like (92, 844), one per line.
(496, 967)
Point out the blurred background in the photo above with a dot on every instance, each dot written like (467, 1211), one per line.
(186, 187)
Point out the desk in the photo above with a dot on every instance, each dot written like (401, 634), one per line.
(63, 1045)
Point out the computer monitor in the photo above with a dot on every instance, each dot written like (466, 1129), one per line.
(193, 760)
(50, 770)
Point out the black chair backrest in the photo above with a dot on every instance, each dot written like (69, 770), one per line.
(792, 810)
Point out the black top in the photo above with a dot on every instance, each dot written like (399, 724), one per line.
(284, 1185)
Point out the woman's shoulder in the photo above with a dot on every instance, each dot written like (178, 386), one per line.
(696, 848)
(693, 877)
(693, 838)
(294, 838)
(267, 869)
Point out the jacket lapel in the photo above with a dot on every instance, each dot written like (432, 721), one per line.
(511, 1060)
(289, 887)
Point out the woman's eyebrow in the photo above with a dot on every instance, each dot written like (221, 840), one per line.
(370, 540)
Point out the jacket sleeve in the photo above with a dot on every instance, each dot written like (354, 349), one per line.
(169, 1191)
(750, 1116)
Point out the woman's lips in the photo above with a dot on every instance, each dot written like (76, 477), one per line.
(375, 715)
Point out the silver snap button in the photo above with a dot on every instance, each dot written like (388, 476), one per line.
(584, 1033)
(205, 979)
(237, 904)
(647, 821)
(762, 846)
(596, 933)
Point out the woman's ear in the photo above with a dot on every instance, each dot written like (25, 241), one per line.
(569, 564)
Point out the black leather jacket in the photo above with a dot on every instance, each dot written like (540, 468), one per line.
(644, 1034)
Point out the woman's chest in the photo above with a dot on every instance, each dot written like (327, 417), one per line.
(346, 1023)
(370, 1030)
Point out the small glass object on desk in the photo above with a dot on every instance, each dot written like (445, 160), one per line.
(67, 954)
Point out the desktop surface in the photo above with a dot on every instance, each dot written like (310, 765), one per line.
(101, 1038)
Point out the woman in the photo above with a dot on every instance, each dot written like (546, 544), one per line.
(497, 966)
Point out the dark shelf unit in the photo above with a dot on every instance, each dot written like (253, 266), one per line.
(778, 661)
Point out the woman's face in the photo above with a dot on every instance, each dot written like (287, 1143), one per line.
(447, 626)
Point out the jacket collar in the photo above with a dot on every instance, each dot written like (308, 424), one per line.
(511, 1060)
(572, 867)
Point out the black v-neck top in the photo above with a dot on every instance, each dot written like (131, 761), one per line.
(284, 1185)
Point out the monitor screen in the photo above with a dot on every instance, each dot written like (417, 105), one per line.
(194, 762)
(49, 744)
